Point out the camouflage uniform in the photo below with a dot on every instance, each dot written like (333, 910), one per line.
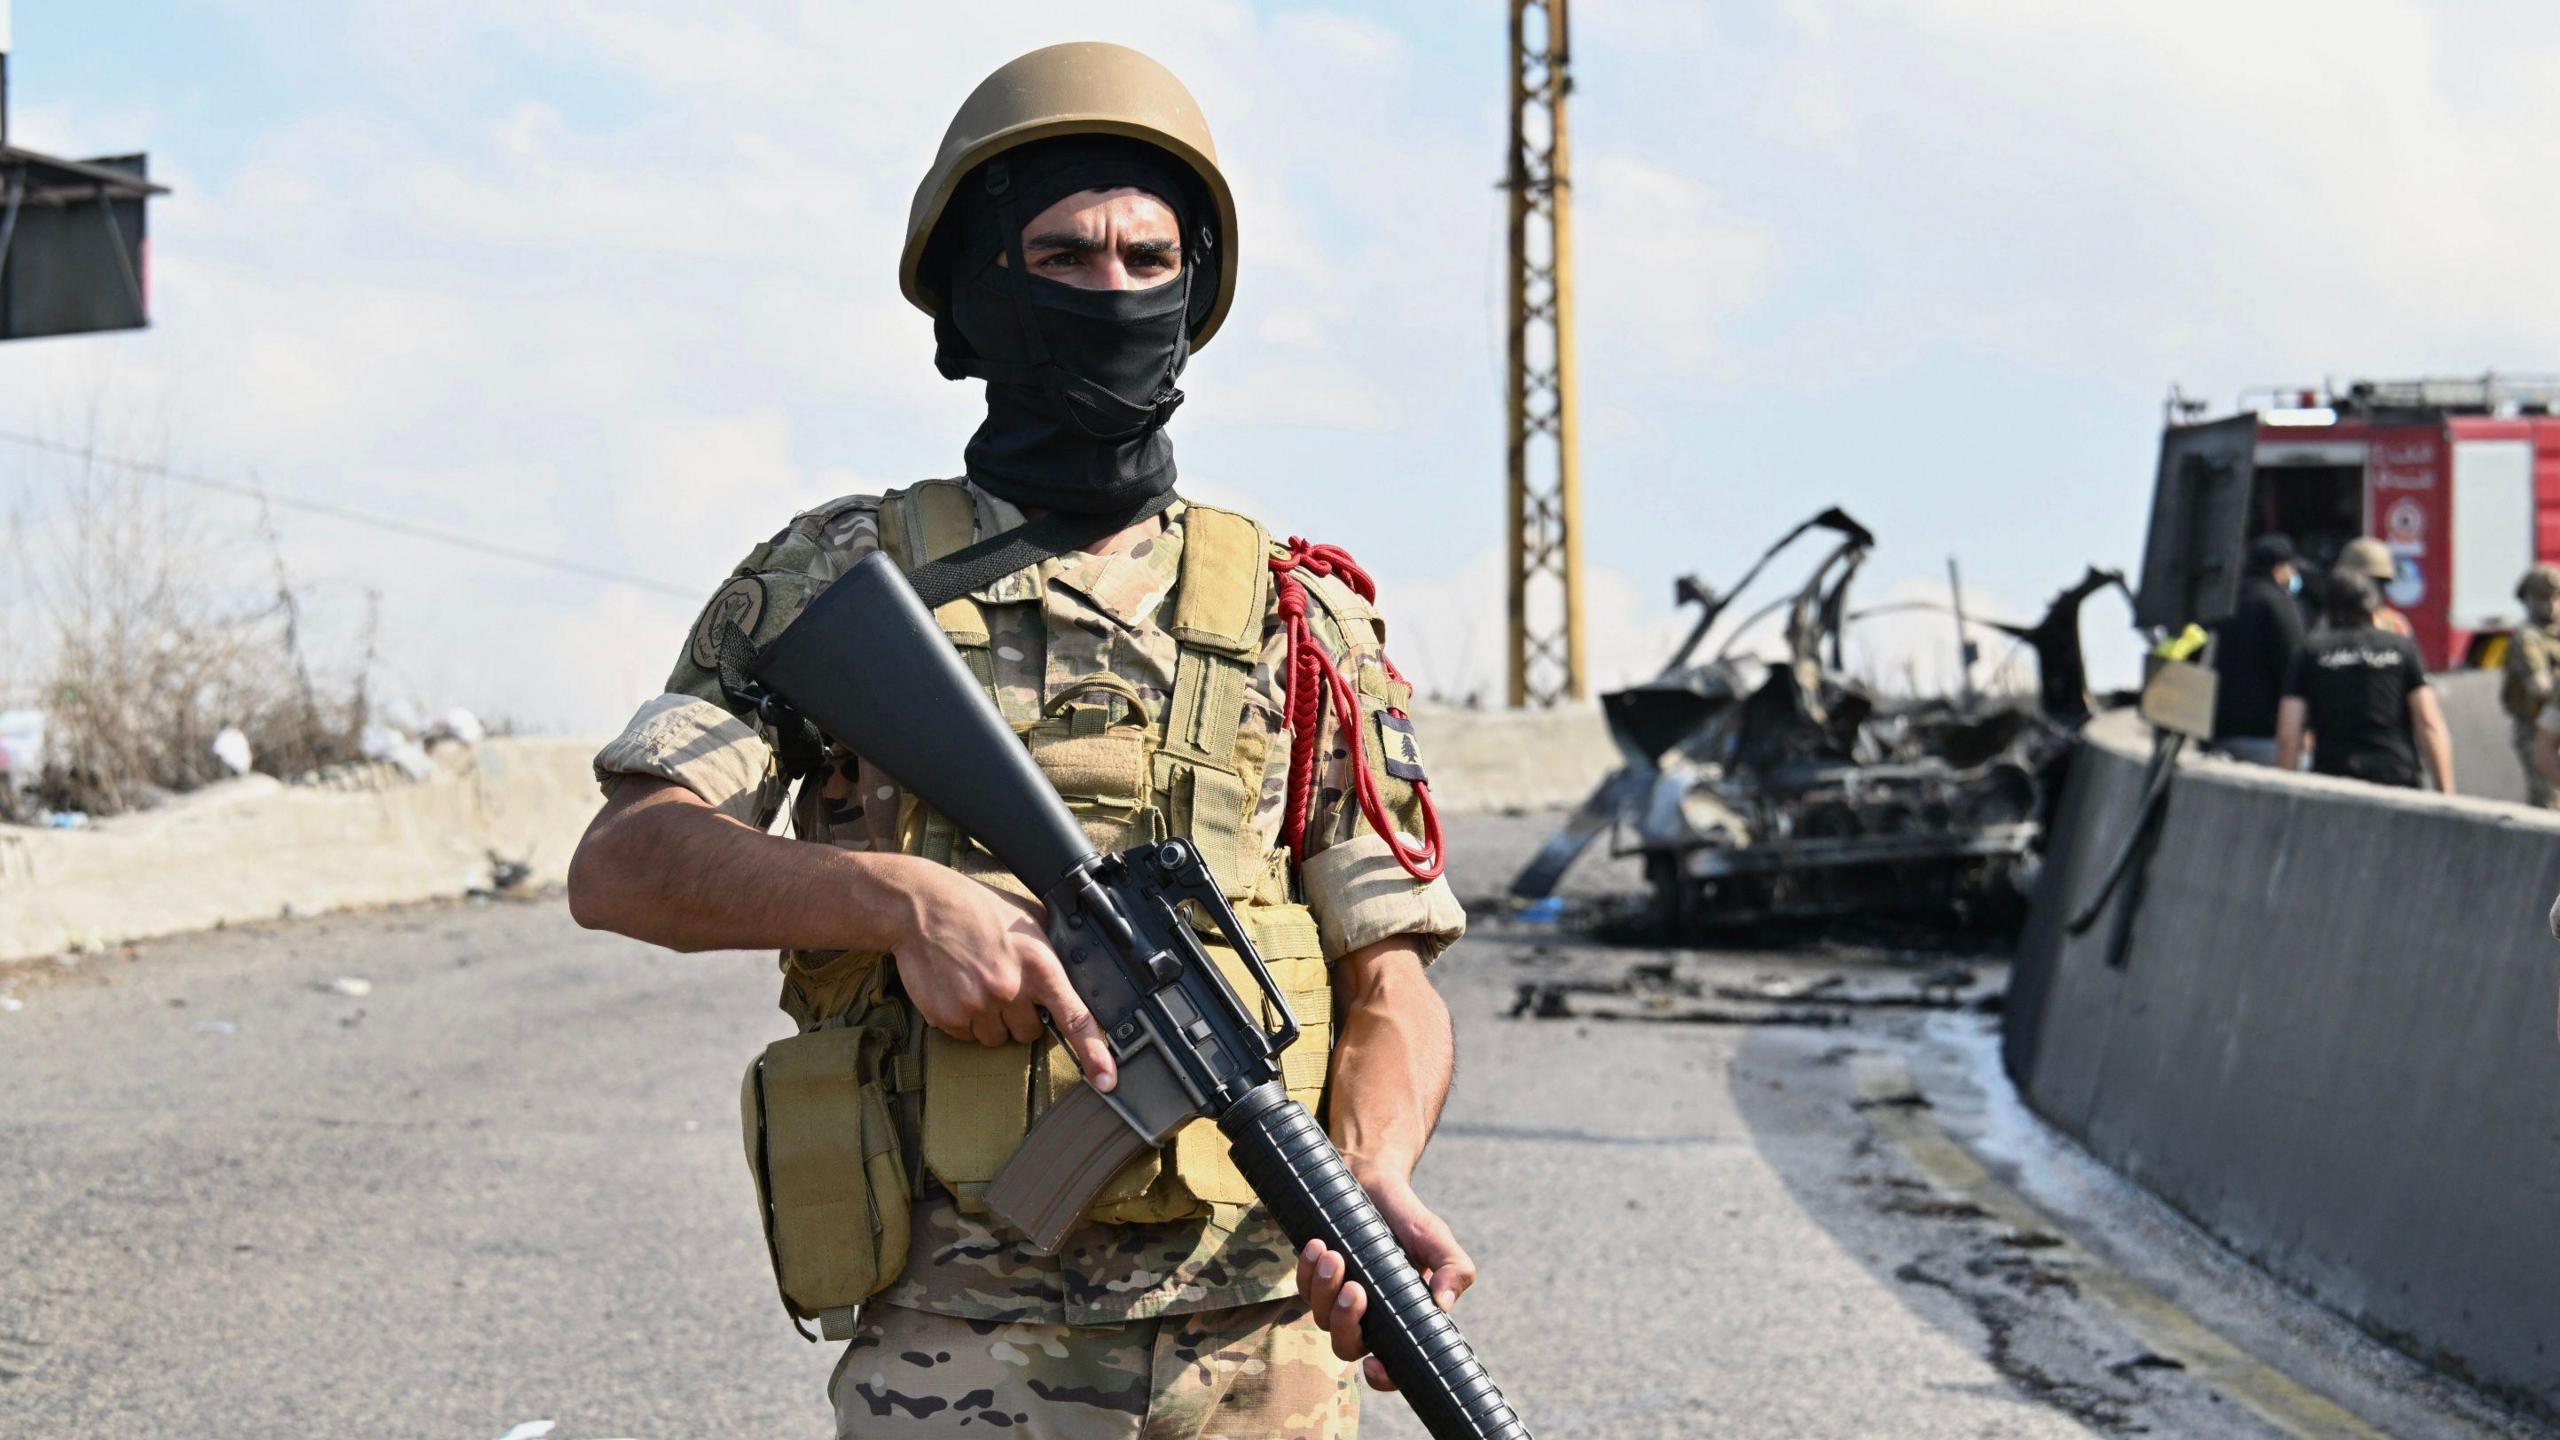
(1258, 1370)
(1097, 1308)
(2533, 658)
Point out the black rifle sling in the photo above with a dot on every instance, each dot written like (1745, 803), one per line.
(978, 565)
(937, 583)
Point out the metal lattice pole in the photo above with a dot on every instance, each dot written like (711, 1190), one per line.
(1545, 498)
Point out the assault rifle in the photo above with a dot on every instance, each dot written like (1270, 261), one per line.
(867, 665)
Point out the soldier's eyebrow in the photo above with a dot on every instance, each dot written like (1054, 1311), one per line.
(1081, 244)
(1064, 240)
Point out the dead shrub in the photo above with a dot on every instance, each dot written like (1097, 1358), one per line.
(152, 619)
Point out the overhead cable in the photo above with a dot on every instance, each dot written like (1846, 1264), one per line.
(390, 523)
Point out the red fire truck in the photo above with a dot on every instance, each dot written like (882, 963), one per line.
(2460, 478)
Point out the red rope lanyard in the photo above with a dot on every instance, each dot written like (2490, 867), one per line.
(1311, 676)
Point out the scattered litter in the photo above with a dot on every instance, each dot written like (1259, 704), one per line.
(505, 878)
(1821, 994)
(11, 1004)
(63, 819)
(67, 960)
(1906, 1100)
(22, 743)
(350, 985)
(2147, 1360)
(458, 724)
(231, 747)
(216, 1027)
(531, 1430)
(381, 742)
(1548, 910)
(1666, 1002)
(1933, 1207)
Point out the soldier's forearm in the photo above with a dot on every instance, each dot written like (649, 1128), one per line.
(1392, 1059)
(660, 865)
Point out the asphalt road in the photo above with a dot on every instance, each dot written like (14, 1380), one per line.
(504, 1185)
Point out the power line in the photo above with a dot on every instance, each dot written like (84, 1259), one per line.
(391, 523)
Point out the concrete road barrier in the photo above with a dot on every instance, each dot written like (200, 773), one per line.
(1509, 760)
(254, 848)
(2327, 1035)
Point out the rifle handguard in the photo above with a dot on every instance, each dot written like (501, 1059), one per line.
(1293, 1166)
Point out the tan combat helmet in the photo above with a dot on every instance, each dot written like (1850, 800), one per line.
(2370, 558)
(2540, 580)
(1084, 88)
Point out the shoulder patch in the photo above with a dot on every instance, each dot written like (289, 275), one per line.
(1401, 754)
(739, 603)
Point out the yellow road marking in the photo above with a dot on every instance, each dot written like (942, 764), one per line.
(2154, 1319)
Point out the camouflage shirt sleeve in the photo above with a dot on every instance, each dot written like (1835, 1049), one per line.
(688, 734)
(1352, 881)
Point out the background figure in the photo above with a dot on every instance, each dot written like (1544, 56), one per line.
(2533, 654)
(2371, 559)
(2255, 654)
(2361, 694)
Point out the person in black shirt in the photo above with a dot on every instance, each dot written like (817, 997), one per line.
(2255, 654)
(2361, 694)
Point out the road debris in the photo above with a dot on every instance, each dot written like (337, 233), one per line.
(353, 986)
(231, 747)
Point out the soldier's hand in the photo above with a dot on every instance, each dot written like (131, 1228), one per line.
(978, 967)
(1337, 1305)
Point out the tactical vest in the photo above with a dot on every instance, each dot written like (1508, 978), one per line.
(1130, 777)
(2538, 651)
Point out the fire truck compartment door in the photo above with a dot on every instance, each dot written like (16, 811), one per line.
(2199, 524)
(2492, 530)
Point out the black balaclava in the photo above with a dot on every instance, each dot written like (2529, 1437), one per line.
(1079, 382)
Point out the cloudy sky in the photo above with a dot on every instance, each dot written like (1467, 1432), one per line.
(616, 280)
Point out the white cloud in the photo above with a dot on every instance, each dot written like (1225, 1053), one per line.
(629, 300)
(1449, 635)
(1666, 263)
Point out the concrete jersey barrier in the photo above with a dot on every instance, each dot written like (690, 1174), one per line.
(2330, 1041)
(254, 848)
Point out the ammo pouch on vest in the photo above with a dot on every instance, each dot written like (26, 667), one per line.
(831, 1179)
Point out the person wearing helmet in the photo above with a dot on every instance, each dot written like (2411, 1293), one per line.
(2532, 663)
(2373, 560)
(1075, 243)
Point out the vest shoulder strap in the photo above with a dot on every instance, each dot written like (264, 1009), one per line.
(1225, 586)
(923, 523)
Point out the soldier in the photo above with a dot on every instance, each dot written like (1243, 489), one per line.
(2372, 559)
(2533, 657)
(1074, 241)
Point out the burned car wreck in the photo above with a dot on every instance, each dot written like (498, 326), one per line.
(1784, 789)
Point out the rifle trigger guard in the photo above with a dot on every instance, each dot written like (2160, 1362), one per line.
(1182, 863)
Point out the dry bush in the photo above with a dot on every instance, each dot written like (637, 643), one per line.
(150, 627)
